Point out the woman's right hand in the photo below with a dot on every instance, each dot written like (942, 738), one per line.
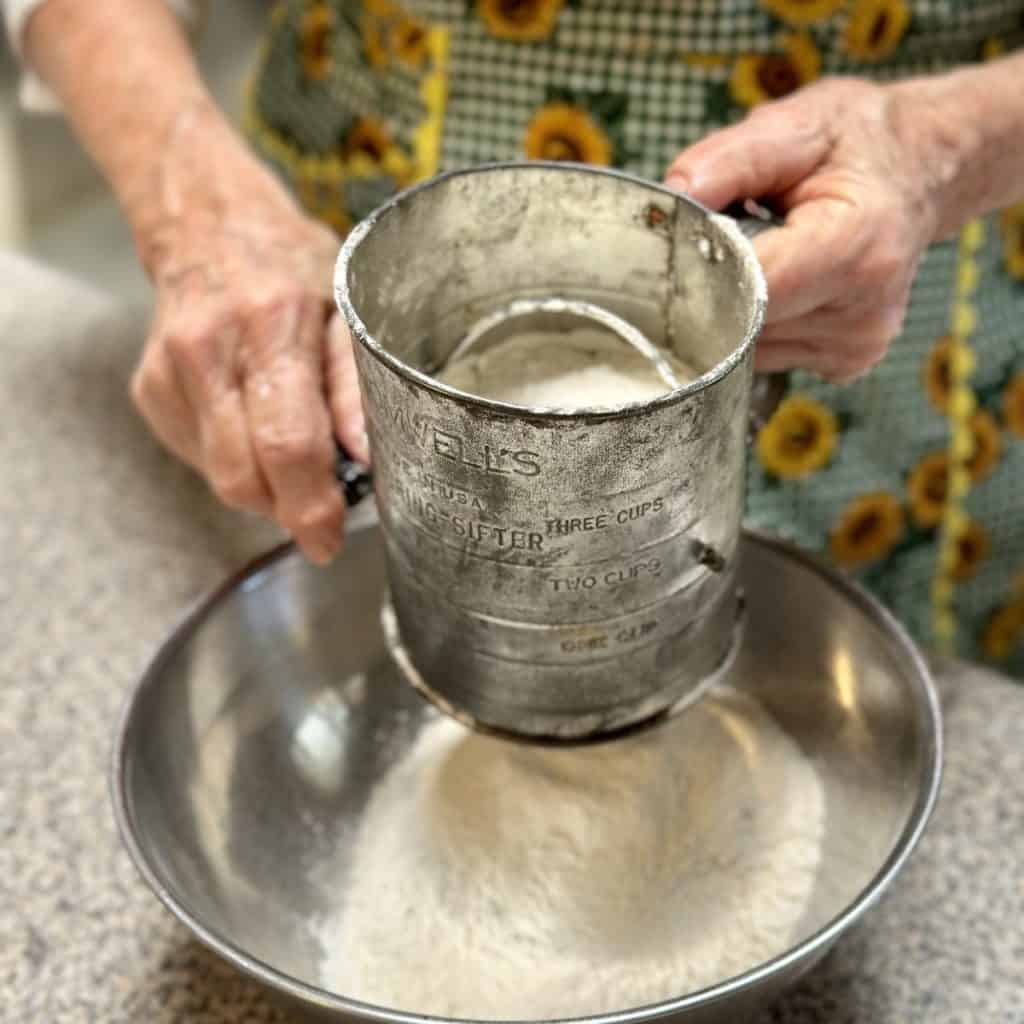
(247, 373)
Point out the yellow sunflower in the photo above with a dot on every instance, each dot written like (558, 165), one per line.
(1013, 405)
(799, 439)
(308, 197)
(1011, 220)
(523, 21)
(376, 52)
(335, 218)
(947, 355)
(803, 12)
(705, 60)
(868, 529)
(972, 548)
(368, 137)
(408, 42)
(988, 445)
(758, 77)
(381, 8)
(325, 206)
(927, 488)
(368, 150)
(875, 28)
(563, 132)
(1004, 632)
(993, 48)
(315, 46)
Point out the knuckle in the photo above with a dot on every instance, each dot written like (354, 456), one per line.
(279, 447)
(889, 256)
(280, 298)
(871, 347)
(894, 318)
(240, 489)
(146, 384)
(880, 266)
(140, 387)
(189, 347)
(882, 280)
(859, 351)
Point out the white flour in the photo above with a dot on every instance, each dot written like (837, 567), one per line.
(585, 367)
(490, 880)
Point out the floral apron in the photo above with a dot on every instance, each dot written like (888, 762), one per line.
(912, 479)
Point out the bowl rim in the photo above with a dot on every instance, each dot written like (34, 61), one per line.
(807, 952)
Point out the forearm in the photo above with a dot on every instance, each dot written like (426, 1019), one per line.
(975, 120)
(130, 88)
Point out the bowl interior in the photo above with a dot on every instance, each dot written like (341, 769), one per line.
(251, 747)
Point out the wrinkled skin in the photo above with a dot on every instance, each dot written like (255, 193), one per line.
(847, 163)
(247, 374)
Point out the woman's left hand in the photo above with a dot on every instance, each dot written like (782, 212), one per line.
(858, 171)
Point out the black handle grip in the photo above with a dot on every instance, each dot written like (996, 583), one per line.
(753, 217)
(353, 476)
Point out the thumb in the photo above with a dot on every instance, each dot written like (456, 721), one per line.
(762, 156)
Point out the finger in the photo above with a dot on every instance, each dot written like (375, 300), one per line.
(780, 356)
(343, 391)
(839, 344)
(291, 427)
(158, 395)
(814, 357)
(205, 360)
(761, 156)
(807, 262)
(229, 461)
(838, 327)
(785, 356)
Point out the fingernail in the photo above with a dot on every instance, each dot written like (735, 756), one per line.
(320, 545)
(678, 181)
(320, 554)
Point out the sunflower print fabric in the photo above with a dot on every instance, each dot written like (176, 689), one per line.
(911, 480)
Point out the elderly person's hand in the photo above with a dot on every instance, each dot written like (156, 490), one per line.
(247, 375)
(867, 177)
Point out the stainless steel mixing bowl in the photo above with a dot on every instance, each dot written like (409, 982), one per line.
(246, 755)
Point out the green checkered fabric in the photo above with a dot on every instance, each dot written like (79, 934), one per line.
(651, 77)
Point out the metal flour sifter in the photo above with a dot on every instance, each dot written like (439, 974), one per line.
(556, 576)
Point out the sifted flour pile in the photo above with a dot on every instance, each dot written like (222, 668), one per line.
(491, 880)
(585, 367)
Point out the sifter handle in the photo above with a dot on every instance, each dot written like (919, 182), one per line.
(769, 388)
(353, 476)
(753, 217)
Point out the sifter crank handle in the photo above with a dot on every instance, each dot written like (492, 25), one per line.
(353, 476)
(753, 217)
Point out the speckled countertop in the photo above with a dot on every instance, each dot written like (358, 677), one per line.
(103, 539)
